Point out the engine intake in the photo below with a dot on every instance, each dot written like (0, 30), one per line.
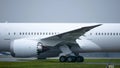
(26, 48)
(41, 48)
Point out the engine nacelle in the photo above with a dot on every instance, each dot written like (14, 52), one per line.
(26, 48)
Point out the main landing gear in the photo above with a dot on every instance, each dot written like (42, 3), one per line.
(71, 59)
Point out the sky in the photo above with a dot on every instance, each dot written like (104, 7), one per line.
(100, 11)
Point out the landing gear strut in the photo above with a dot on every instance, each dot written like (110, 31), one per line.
(71, 59)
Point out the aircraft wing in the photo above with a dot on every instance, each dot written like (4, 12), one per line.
(71, 35)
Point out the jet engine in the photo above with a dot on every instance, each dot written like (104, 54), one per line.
(26, 48)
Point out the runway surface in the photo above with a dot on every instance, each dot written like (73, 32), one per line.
(107, 63)
(11, 59)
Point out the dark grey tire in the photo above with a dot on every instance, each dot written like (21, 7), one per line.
(71, 59)
(80, 59)
(63, 59)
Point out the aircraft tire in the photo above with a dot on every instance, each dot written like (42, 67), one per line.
(71, 59)
(63, 59)
(80, 59)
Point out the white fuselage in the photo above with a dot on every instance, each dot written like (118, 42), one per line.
(102, 38)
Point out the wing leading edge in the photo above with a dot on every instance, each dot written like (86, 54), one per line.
(71, 35)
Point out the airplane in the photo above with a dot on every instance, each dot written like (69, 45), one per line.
(66, 40)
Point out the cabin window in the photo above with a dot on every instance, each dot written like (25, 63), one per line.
(49, 33)
(101, 33)
(31, 33)
(34, 33)
(46, 33)
(43, 33)
(110, 33)
(26, 33)
(105, 34)
(113, 33)
(23, 33)
(96, 33)
(116, 33)
(52, 33)
(14, 33)
(37, 33)
(9, 33)
(20, 33)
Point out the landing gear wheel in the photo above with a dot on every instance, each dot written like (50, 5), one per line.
(80, 59)
(71, 59)
(63, 59)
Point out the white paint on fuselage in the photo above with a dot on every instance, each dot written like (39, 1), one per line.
(103, 42)
(107, 38)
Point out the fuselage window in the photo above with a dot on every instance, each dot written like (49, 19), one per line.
(104, 33)
(96, 33)
(34, 33)
(31, 33)
(14, 33)
(52, 33)
(46, 33)
(26, 33)
(23, 33)
(8, 33)
(110, 33)
(116, 33)
(113, 33)
(49, 33)
(99, 33)
(20, 33)
(37, 33)
(43, 33)
(56, 33)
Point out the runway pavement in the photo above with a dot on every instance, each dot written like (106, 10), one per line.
(106, 63)
(11, 59)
